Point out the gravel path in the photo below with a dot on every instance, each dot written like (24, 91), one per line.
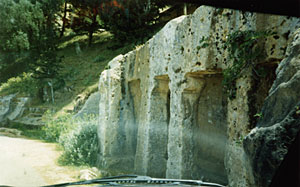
(31, 163)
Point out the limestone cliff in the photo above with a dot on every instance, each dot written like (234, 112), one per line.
(269, 142)
(162, 109)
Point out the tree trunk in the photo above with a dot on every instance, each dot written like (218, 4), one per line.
(185, 9)
(64, 19)
(92, 29)
(90, 37)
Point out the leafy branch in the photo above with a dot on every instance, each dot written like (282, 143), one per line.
(245, 50)
(203, 43)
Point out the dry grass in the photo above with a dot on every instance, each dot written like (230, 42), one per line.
(81, 71)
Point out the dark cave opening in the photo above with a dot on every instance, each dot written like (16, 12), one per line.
(288, 173)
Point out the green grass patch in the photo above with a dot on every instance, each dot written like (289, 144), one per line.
(80, 71)
(29, 131)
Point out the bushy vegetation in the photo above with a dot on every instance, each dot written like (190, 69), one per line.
(81, 144)
(130, 19)
(56, 126)
(245, 50)
(23, 84)
(78, 137)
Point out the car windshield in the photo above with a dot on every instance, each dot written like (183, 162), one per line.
(149, 93)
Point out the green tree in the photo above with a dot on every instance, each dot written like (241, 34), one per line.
(20, 24)
(64, 18)
(85, 17)
(20, 29)
(28, 36)
(130, 18)
(51, 10)
(45, 63)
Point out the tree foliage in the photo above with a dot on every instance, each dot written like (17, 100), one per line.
(29, 28)
(45, 61)
(124, 18)
(128, 18)
(19, 31)
(28, 35)
(85, 17)
(20, 25)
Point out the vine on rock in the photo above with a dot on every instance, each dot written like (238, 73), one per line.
(245, 51)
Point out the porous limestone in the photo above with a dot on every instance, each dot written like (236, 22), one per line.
(269, 142)
(90, 107)
(162, 109)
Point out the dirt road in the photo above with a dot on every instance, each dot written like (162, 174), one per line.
(31, 163)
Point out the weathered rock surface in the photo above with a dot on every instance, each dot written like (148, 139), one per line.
(10, 132)
(268, 143)
(5, 103)
(162, 110)
(12, 108)
(89, 174)
(90, 107)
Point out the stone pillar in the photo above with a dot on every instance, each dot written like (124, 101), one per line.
(197, 134)
(115, 116)
(174, 163)
(190, 104)
(238, 120)
(159, 118)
